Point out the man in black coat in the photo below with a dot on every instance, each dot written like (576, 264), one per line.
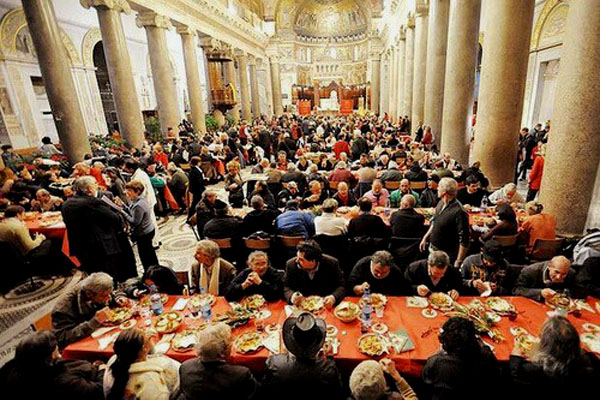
(259, 219)
(434, 275)
(366, 224)
(381, 275)
(359, 146)
(542, 280)
(313, 273)
(587, 281)
(293, 175)
(223, 225)
(96, 233)
(406, 222)
(429, 197)
(259, 278)
(196, 184)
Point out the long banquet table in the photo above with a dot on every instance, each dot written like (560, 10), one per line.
(397, 316)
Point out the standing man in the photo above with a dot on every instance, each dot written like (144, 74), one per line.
(196, 184)
(449, 230)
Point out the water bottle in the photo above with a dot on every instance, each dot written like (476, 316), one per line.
(152, 289)
(366, 311)
(206, 312)
(484, 204)
(156, 304)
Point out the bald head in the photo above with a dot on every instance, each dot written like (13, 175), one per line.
(558, 268)
(407, 201)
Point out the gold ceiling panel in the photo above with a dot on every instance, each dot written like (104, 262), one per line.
(330, 18)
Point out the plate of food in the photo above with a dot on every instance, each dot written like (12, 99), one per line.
(591, 341)
(168, 322)
(526, 342)
(377, 300)
(416, 302)
(346, 311)
(248, 342)
(441, 301)
(492, 317)
(202, 299)
(184, 341)
(592, 328)
(128, 324)
(429, 313)
(312, 303)
(236, 317)
(332, 330)
(379, 328)
(273, 327)
(119, 315)
(145, 302)
(517, 331)
(499, 305)
(372, 344)
(343, 210)
(254, 302)
(559, 300)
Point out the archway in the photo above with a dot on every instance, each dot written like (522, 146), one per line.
(105, 87)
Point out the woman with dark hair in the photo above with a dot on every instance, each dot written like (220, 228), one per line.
(38, 361)
(161, 277)
(133, 373)
(464, 368)
(558, 368)
(506, 226)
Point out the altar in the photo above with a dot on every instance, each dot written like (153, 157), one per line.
(331, 100)
(330, 104)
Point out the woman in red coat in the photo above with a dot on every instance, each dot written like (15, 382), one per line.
(535, 175)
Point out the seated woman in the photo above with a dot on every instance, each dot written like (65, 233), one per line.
(210, 271)
(507, 225)
(315, 195)
(536, 225)
(162, 278)
(133, 374)
(210, 375)
(558, 367)
(38, 372)
(369, 382)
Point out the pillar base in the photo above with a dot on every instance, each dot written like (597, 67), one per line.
(219, 117)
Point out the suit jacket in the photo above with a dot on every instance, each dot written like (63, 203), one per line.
(73, 317)
(214, 380)
(407, 223)
(368, 225)
(392, 285)
(271, 287)
(533, 279)
(417, 274)
(196, 181)
(226, 275)
(259, 220)
(328, 280)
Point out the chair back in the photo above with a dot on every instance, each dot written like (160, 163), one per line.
(290, 241)
(392, 185)
(257, 244)
(224, 243)
(506, 241)
(545, 249)
(418, 185)
(183, 277)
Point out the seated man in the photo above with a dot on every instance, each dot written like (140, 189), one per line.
(542, 280)
(472, 193)
(508, 195)
(223, 225)
(406, 222)
(206, 209)
(485, 271)
(259, 278)
(293, 175)
(313, 273)
(315, 195)
(301, 373)
(45, 201)
(378, 195)
(260, 218)
(379, 273)
(434, 275)
(293, 222)
(344, 196)
(14, 231)
(291, 192)
(391, 174)
(587, 280)
(83, 308)
(404, 189)
(329, 223)
(366, 224)
(429, 197)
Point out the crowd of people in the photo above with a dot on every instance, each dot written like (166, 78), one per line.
(348, 189)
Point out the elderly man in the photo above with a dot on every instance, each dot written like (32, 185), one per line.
(210, 376)
(342, 174)
(293, 175)
(541, 281)
(434, 275)
(83, 308)
(404, 189)
(378, 195)
(178, 183)
(344, 196)
(509, 195)
(329, 223)
(261, 218)
(429, 196)
(391, 174)
(379, 273)
(294, 222)
(259, 278)
(449, 230)
(45, 201)
(290, 192)
(486, 272)
(97, 232)
(313, 273)
(223, 224)
(406, 222)
(210, 272)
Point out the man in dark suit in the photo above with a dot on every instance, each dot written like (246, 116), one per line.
(196, 184)
(366, 224)
(406, 222)
(96, 233)
(223, 225)
(541, 281)
(380, 273)
(313, 273)
(434, 275)
(259, 219)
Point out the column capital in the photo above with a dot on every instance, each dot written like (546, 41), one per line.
(402, 33)
(421, 8)
(116, 5)
(150, 18)
(410, 21)
(251, 60)
(240, 53)
(186, 30)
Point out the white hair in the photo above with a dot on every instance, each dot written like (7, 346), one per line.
(213, 342)
(98, 282)
(448, 185)
(367, 381)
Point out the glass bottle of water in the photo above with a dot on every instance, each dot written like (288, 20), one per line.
(484, 204)
(366, 311)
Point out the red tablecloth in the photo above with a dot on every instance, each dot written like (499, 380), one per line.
(56, 231)
(422, 331)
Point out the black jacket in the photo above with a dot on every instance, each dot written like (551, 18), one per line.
(587, 281)
(359, 146)
(215, 380)
(328, 280)
(392, 285)
(471, 199)
(259, 220)
(407, 223)
(368, 225)
(428, 198)
(293, 379)
(223, 227)
(450, 228)
(534, 278)
(196, 182)
(271, 287)
(473, 268)
(417, 274)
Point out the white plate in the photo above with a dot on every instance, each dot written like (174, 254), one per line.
(432, 315)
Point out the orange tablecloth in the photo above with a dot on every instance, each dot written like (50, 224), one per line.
(56, 231)
(422, 331)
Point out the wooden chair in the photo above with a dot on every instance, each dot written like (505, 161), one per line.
(418, 185)
(290, 241)
(392, 185)
(257, 244)
(183, 277)
(224, 243)
(44, 323)
(506, 241)
(545, 249)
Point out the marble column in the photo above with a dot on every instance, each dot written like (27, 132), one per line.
(317, 94)
(375, 84)
(503, 75)
(420, 61)
(393, 82)
(276, 82)
(254, 87)
(230, 75)
(459, 82)
(58, 79)
(385, 87)
(400, 73)
(118, 63)
(190, 58)
(244, 86)
(409, 68)
(437, 39)
(573, 150)
(162, 70)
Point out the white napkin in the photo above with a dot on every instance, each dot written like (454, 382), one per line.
(105, 341)
(416, 302)
(289, 310)
(101, 331)
(180, 304)
(271, 342)
(161, 348)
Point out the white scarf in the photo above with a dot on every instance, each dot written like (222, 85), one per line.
(213, 287)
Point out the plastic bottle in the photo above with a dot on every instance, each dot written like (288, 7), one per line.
(156, 304)
(484, 204)
(366, 311)
(206, 312)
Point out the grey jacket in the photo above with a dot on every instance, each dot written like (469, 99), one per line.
(73, 317)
